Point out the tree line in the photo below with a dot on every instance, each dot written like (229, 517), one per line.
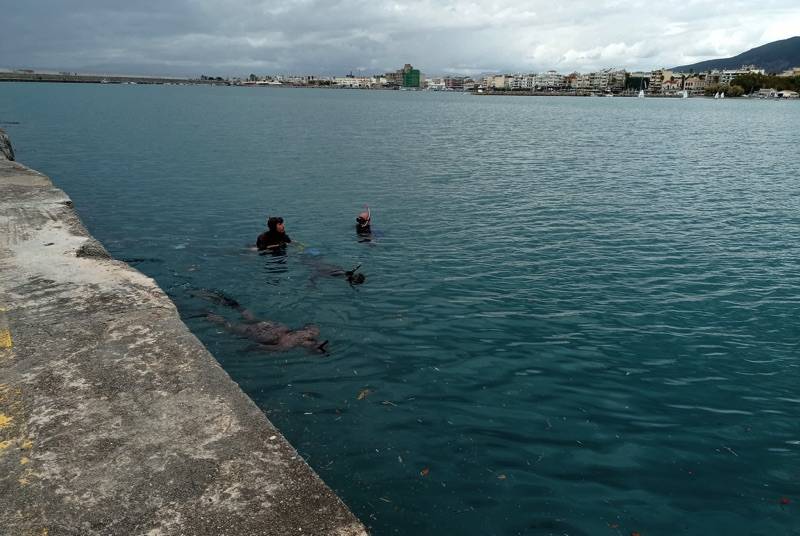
(752, 82)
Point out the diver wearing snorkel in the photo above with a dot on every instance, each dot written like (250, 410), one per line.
(363, 222)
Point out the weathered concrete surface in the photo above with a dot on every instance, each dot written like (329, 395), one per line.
(114, 419)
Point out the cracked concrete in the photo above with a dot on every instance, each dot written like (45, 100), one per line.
(114, 419)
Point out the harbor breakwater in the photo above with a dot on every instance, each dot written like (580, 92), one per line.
(114, 418)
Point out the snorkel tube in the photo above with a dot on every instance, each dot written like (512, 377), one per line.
(353, 278)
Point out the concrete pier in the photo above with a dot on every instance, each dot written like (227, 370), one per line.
(114, 419)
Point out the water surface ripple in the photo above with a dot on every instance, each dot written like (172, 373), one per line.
(580, 316)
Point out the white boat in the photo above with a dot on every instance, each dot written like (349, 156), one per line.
(722, 95)
(641, 93)
(716, 95)
(685, 94)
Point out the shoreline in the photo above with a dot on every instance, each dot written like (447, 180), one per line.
(114, 418)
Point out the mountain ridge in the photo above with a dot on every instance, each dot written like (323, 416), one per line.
(773, 57)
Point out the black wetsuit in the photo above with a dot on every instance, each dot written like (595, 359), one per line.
(272, 238)
(363, 229)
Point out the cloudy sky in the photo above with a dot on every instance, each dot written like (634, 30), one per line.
(237, 37)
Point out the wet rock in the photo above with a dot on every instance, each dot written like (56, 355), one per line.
(6, 151)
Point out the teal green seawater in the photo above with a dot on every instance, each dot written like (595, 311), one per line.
(580, 314)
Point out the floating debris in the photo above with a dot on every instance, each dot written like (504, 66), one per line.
(364, 393)
(425, 471)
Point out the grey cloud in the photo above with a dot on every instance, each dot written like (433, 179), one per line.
(189, 37)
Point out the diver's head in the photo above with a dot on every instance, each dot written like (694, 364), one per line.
(363, 220)
(275, 223)
(356, 279)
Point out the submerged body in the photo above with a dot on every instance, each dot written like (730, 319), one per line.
(270, 336)
(321, 268)
(273, 336)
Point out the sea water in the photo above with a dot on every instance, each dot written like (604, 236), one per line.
(580, 315)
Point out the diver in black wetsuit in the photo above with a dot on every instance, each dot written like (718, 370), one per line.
(275, 236)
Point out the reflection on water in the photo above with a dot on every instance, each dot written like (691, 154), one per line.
(580, 317)
(275, 266)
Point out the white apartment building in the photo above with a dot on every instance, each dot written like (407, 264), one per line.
(529, 82)
(583, 82)
(599, 81)
(549, 80)
(353, 81)
(727, 76)
(435, 84)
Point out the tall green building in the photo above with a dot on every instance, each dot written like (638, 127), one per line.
(405, 77)
(411, 78)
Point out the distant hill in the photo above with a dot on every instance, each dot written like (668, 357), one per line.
(773, 57)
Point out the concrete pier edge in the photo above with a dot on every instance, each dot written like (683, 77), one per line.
(114, 418)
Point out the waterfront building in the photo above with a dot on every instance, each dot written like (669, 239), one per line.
(501, 82)
(657, 78)
(407, 77)
(695, 84)
(616, 81)
(454, 83)
(598, 81)
(790, 73)
(411, 77)
(394, 79)
(713, 77)
(581, 82)
(301, 80)
(435, 84)
(605, 81)
(529, 82)
(727, 76)
(550, 80)
(351, 81)
(469, 84)
(672, 86)
(516, 82)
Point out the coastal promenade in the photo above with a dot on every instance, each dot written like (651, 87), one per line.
(76, 78)
(114, 419)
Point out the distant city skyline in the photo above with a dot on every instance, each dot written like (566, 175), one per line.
(190, 37)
